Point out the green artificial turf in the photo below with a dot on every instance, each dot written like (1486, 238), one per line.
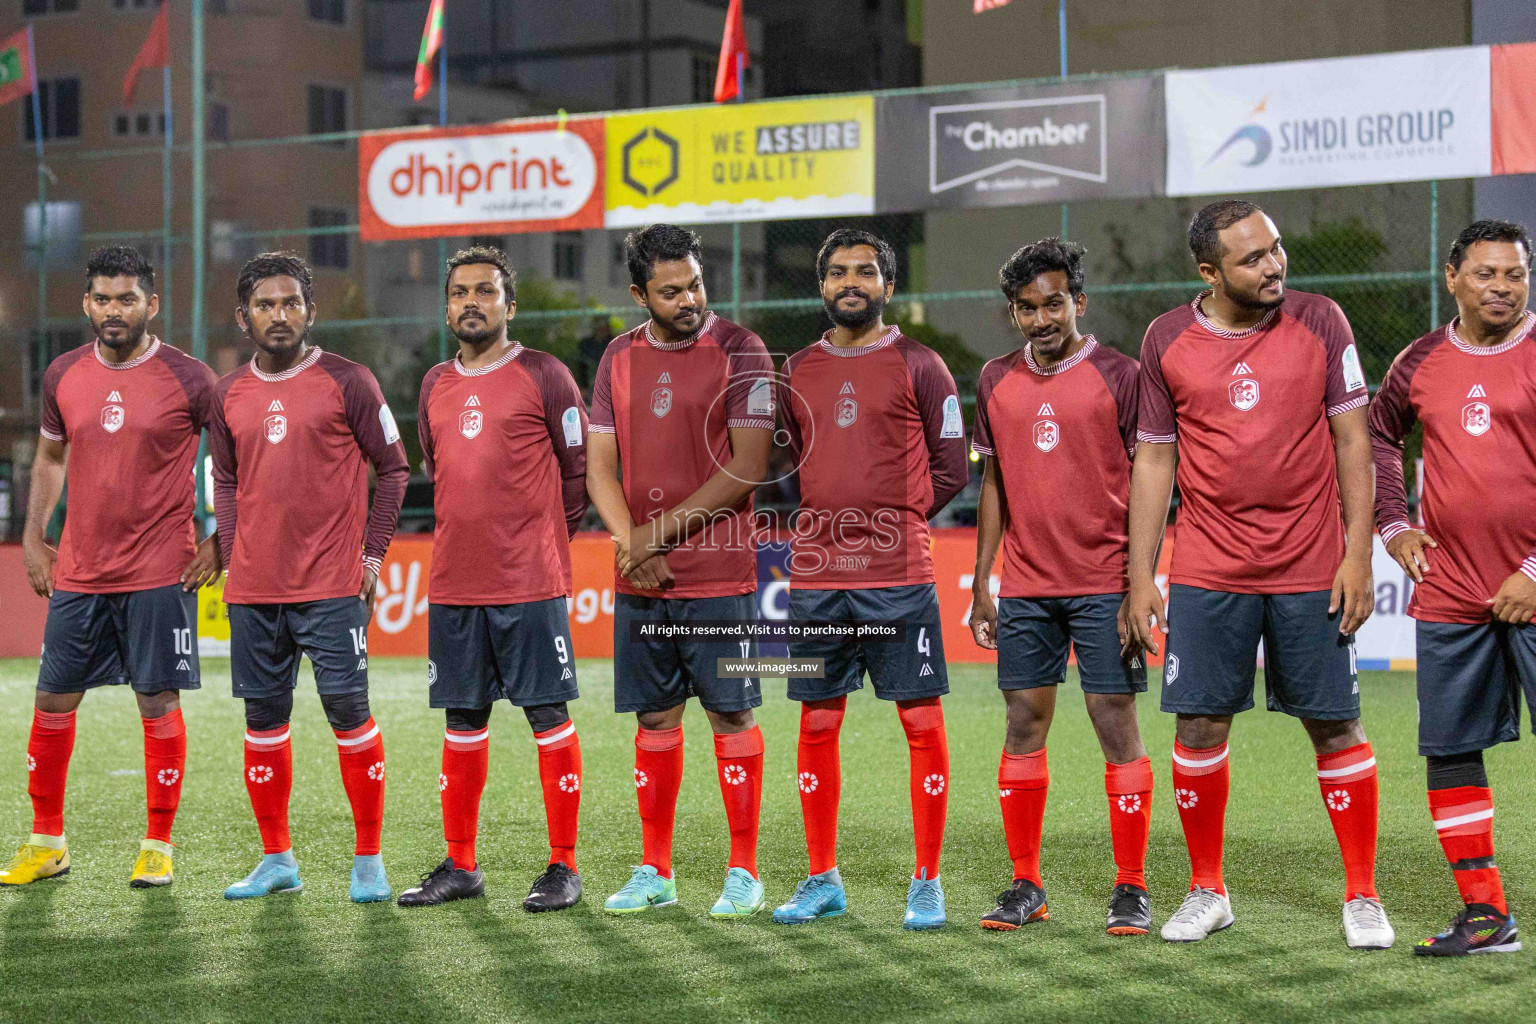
(89, 948)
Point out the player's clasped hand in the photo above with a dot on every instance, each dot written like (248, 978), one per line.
(1516, 600)
(40, 559)
(1143, 617)
(1354, 592)
(651, 574)
(207, 562)
(1409, 550)
(984, 619)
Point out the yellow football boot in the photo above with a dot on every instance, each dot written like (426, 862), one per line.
(153, 868)
(40, 857)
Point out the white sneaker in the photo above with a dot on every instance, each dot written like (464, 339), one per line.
(1202, 912)
(1366, 925)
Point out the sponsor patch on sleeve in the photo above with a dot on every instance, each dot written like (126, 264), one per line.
(571, 421)
(387, 421)
(760, 399)
(953, 425)
(1354, 375)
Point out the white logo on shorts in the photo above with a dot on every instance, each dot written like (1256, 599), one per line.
(1171, 670)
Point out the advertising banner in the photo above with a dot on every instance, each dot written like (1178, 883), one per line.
(490, 179)
(1347, 121)
(742, 161)
(1016, 145)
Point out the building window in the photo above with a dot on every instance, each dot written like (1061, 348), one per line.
(60, 102)
(333, 11)
(135, 5)
(328, 250)
(327, 110)
(218, 122)
(618, 263)
(131, 124)
(704, 78)
(29, 8)
(568, 254)
(489, 241)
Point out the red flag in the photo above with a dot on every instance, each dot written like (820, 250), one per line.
(733, 55)
(16, 63)
(155, 53)
(987, 5)
(431, 41)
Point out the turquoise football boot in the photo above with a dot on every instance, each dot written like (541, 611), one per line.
(368, 882)
(277, 872)
(817, 897)
(925, 904)
(645, 890)
(742, 896)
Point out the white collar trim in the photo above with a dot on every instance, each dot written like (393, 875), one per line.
(140, 360)
(677, 346)
(292, 371)
(1520, 334)
(1222, 332)
(1089, 344)
(502, 360)
(850, 351)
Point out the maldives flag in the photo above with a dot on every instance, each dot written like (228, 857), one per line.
(15, 67)
(733, 55)
(155, 53)
(431, 42)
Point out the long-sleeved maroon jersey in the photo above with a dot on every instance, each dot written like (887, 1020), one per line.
(132, 430)
(880, 441)
(506, 450)
(1478, 407)
(290, 469)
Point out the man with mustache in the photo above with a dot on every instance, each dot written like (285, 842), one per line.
(1469, 384)
(1056, 421)
(1257, 393)
(683, 404)
(292, 434)
(875, 421)
(503, 431)
(125, 412)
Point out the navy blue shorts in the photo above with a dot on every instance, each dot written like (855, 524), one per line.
(479, 654)
(910, 670)
(146, 638)
(265, 641)
(654, 675)
(1213, 645)
(1033, 636)
(1469, 681)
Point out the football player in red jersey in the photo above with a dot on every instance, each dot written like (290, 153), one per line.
(1469, 384)
(1056, 422)
(125, 412)
(1257, 394)
(503, 430)
(292, 434)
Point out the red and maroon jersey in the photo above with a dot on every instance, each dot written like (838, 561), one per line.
(880, 441)
(1249, 409)
(672, 406)
(506, 450)
(1063, 437)
(1478, 407)
(290, 470)
(132, 430)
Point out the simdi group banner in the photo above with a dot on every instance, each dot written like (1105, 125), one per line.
(742, 161)
(489, 179)
(1020, 144)
(1409, 116)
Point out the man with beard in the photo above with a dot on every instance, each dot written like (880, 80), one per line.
(292, 433)
(126, 412)
(683, 404)
(875, 421)
(1056, 421)
(1469, 384)
(503, 431)
(1257, 393)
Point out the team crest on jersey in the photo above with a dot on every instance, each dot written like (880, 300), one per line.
(1476, 418)
(112, 418)
(845, 412)
(1047, 435)
(277, 428)
(661, 402)
(1244, 394)
(470, 422)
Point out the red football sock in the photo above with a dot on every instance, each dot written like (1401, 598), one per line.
(923, 721)
(268, 781)
(165, 762)
(560, 775)
(1463, 817)
(1200, 783)
(1022, 783)
(1348, 781)
(1129, 787)
(820, 780)
(466, 759)
(739, 757)
(361, 752)
(658, 777)
(48, 750)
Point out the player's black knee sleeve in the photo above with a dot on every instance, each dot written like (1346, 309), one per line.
(469, 719)
(263, 713)
(1456, 770)
(544, 717)
(345, 710)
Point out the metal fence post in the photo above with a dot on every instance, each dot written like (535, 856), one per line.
(736, 271)
(199, 233)
(1434, 254)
